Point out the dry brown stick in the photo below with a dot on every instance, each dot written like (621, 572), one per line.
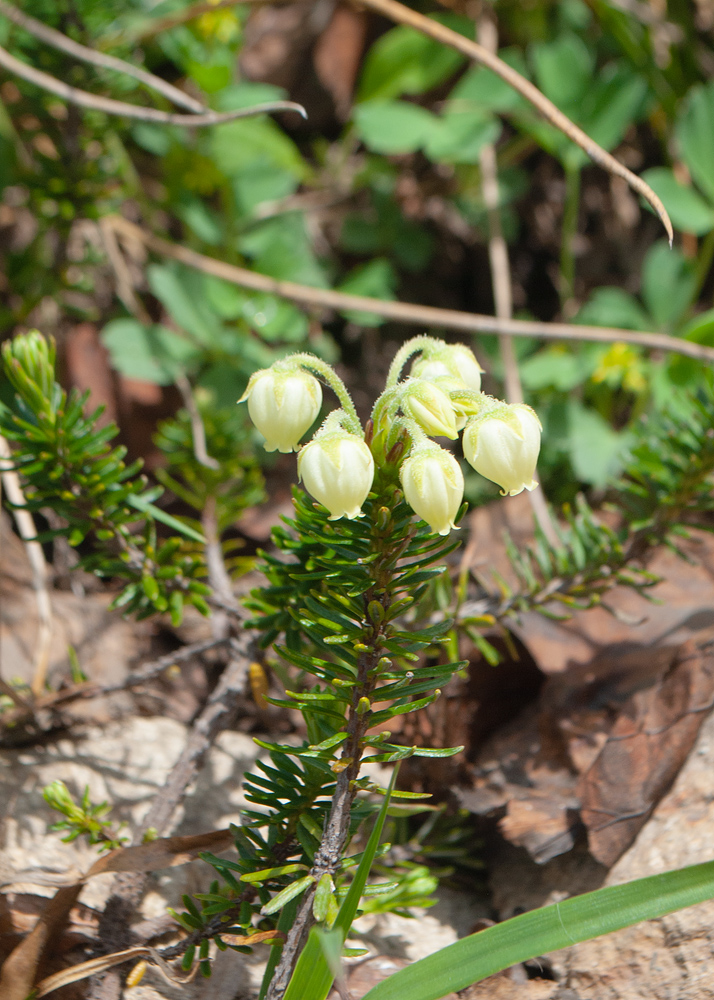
(397, 12)
(198, 431)
(501, 281)
(36, 557)
(84, 99)
(404, 312)
(59, 41)
(218, 714)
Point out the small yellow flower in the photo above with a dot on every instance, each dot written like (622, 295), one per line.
(430, 407)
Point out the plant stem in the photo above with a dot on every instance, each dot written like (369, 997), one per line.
(334, 381)
(569, 230)
(390, 548)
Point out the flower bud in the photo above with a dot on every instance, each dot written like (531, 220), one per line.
(454, 360)
(282, 405)
(433, 486)
(504, 446)
(337, 470)
(430, 407)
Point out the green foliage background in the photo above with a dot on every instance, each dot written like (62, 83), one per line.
(420, 118)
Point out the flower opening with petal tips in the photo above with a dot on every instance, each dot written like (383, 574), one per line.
(433, 485)
(503, 446)
(282, 405)
(430, 407)
(337, 469)
(456, 360)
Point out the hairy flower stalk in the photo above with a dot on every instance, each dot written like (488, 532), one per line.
(358, 558)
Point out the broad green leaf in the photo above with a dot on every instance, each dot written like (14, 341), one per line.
(173, 288)
(394, 127)
(556, 368)
(595, 448)
(312, 977)
(405, 61)
(282, 249)
(480, 90)
(612, 306)
(151, 353)
(668, 283)
(695, 134)
(547, 929)
(700, 329)
(376, 280)
(611, 105)
(687, 209)
(563, 69)
(459, 136)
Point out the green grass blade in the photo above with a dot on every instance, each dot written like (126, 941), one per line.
(545, 930)
(138, 503)
(312, 977)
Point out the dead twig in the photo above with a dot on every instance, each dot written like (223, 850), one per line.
(59, 41)
(501, 282)
(84, 99)
(198, 431)
(218, 714)
(397, 12)
(36, 557)
(404, 312)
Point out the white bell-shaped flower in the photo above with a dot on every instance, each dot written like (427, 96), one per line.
(433, 485)
(337, 469)
(454, 360)
(282, 405)
(430, 407)
(503, 446)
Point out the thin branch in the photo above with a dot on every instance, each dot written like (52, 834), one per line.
(397, 12)
(28, 532)
(59, 41)
(501, 281)
(111, 107)
(198, 431)
(404, 312)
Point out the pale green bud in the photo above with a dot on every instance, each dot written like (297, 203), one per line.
(282, 405)
(337, 470)
(503, 446)
(433, 486)
(430, 407)
(453, 360)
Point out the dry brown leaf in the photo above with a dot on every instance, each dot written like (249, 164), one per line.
(645, 749)
(19, 970)
(165, 852)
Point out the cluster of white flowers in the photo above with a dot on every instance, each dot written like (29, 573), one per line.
(440, 397)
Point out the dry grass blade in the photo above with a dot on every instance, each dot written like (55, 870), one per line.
(166, 852)
(396, 11)
(19, 970)
(404, 312)
(86, 969)
(59, 41)
(84, 99)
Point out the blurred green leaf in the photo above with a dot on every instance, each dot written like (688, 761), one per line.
(687, 209)
(375, 279)
(595, 448)
(153, 354)
(394, 127)
(668, 283)
(695, 134)
(404, 61)
(614, 307)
